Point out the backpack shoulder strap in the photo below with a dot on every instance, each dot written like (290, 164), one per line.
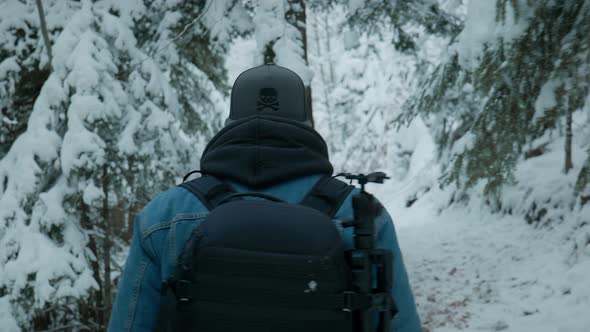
(327, 195)
(209, 189)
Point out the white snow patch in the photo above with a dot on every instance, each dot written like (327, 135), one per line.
(243, 53)
(7, 320)
(546, 99)
(482, 29)
(92, 194)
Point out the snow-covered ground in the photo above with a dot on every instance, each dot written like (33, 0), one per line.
(472, 270)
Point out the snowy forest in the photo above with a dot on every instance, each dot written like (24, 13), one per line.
(479, 110)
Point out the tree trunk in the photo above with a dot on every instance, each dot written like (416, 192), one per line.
(44, 31)
(582, 182)
(329, 50)
(269, 53)
(129, 218)
(106, 246)
(568, 138)
(96, 299)
(327, 83)
(296, 16)
(331, 77)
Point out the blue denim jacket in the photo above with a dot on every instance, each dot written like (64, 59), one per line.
(164, 226)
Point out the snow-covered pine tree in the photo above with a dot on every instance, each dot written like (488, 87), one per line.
(512, 97)
(401, 17)
(105, 135)
(280, 30)
(201, 33)
(375, 71)
(23, 61)
(320, 35)
(515, 83)
(39, 258)
(186, 40)
(369, 87)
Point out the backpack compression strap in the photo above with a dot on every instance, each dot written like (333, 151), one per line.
(327, 195)
(210, 190)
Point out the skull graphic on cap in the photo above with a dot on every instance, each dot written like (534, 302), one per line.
(267, 98)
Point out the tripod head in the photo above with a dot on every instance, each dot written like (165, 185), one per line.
(375, 177)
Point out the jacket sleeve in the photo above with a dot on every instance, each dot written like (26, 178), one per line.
(407, 319)
(138, 299)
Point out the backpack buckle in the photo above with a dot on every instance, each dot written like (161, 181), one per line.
(183, 291)
(347, 301)
(355, 301)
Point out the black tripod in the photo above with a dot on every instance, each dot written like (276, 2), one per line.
(365, 260)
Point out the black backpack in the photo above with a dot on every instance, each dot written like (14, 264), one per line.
(267, 265)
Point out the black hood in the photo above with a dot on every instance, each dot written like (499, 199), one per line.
(260, 151)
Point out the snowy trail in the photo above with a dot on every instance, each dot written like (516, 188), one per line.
(473, 271)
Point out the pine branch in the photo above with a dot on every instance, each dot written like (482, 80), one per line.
(151, 55)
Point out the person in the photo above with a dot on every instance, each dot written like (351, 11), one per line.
(267, 146)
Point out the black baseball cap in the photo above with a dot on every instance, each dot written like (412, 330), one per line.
(268, 90)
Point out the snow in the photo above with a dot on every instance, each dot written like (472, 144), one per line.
(124, 38)
(128, 10)
(546, 99)
(475, 270)
(8, 65)
(21, 163)
(14, 15)
(57, 13)
(481, 29)
(354, 5)
(471, 270)
(126, 143)
(270, 26)
(350, 39)
(46, 261)
(242, 57)
(92, 194)
(222, 17)
(82, 148)
(8, 324)
(268, 21)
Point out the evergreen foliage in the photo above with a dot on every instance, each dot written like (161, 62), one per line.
(109, 129)
(365, 77)
(280, 31)
(23, 63)
(400, 16)
(526, 83)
